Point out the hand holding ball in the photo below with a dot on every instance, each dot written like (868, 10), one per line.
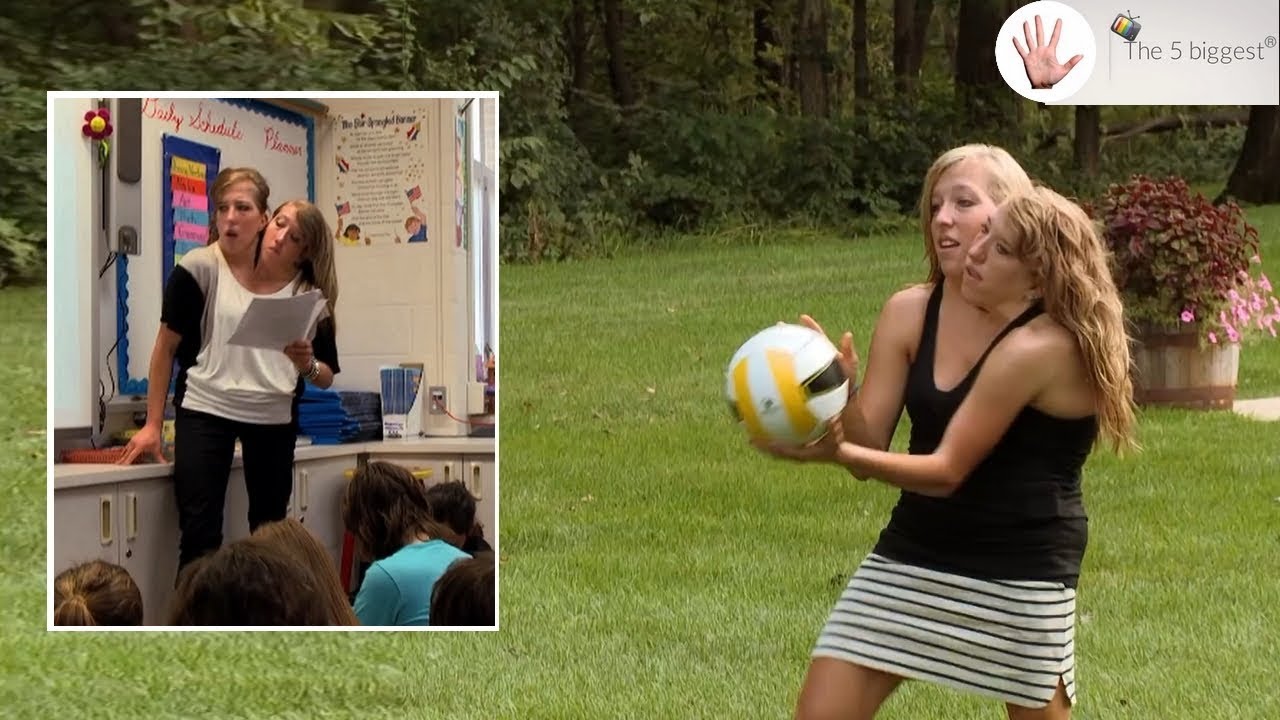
(785, 384)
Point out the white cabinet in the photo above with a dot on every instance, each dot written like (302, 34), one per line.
(149, 531)
(133, 524)
(481, 482)
(443, 468)
(85, 526)
(317, 499)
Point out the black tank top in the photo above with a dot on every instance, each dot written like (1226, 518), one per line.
(1019, 515)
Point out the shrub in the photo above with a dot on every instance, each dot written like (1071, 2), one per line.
(1179, 259)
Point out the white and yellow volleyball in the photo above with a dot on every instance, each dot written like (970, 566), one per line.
(785, 384)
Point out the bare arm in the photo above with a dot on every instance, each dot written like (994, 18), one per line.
(147, 441)
(870, 419)
(160, 373)
(1014, 375)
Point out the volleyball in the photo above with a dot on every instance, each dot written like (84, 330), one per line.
(785, 384)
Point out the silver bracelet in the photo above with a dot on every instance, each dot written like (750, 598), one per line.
(314, 371)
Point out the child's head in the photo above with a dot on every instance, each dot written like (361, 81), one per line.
(96, 593)
(454, 507)
(385, 507)
(412, 225)
(464, 594)
(352, 232)
(292, 538)
(248, 583)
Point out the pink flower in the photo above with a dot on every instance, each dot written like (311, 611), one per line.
(1232, 335)
(1255, 259)
(1264, 283)
(1187, 316)
(1233, 296)
(1213, 338)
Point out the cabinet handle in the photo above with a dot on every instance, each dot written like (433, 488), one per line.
(476, 486)
(303, 488)
(447, 468)
(131, 516)
(104, 519)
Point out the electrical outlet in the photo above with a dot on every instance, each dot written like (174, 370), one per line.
(127, 240)
(435, 394)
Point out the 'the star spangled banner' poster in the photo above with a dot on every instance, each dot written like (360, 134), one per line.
(381, 178)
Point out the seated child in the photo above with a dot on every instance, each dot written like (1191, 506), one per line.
(464, 594)
(454, 507)
(385, 508)
(96, 593)
(292, 537)
(252, 581)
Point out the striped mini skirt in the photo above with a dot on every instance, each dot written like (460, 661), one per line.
(1011, 640)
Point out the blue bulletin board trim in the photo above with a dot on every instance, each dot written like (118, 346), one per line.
(138, 386)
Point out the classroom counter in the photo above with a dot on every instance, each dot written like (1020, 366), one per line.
(73, 475)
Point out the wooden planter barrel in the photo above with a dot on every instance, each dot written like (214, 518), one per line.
(1172, 369)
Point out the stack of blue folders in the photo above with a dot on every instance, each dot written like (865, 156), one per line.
(330, 417)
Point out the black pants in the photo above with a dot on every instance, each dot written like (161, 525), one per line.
(203, 448)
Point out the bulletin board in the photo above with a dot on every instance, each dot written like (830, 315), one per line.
(185, 142)
(189, 171)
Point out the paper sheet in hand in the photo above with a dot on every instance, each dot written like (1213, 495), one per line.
(272, 323)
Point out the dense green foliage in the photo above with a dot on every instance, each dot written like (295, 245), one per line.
(691, 131)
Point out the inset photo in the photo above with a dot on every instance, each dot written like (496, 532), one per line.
(274, 324)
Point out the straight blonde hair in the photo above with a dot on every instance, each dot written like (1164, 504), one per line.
(1004, 177)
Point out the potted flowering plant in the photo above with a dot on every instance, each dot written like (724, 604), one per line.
(1190, 277)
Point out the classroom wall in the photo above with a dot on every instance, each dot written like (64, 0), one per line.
(397, 303)
(74, 231)
(403, 303)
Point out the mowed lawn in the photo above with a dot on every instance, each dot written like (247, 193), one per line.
(655, 566)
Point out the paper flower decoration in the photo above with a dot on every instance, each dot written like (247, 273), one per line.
(97, 126)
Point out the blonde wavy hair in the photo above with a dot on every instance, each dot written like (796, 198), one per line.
(1004, 177)
(1060, 244)
(317, 254)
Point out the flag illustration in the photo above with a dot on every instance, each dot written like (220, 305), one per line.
(413, 131)
(344, 208)
(343, 165)
(414, 193)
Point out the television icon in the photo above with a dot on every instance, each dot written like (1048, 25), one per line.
(1126, 26)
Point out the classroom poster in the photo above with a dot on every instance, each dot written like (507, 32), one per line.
(189, 171)
(381, 178)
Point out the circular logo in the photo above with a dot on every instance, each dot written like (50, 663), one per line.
(1045, 51)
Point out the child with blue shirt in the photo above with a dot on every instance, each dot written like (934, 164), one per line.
(386, 509)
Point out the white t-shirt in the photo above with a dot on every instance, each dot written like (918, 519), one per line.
(251, 385)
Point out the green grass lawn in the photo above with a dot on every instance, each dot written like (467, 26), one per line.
(657, 567)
